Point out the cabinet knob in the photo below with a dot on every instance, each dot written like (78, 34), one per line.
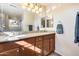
(17, 50)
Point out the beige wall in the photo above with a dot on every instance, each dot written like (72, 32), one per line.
(28, 19)
(65, 42)
(65, 6)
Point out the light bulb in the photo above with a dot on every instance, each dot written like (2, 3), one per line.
(40, 9)
(31, 5)
(36, 7)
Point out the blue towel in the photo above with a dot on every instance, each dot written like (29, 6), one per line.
(59, 29)
(77, 29)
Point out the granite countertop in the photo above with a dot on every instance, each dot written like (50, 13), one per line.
(19, 37)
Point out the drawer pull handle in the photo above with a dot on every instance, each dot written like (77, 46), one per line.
(17, 50)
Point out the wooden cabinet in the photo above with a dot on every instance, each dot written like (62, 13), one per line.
(52, 43)
(27, 51)
(12, 52)
(46, 45)
(8, 46)
(39, 46)
(9, 49)
(27, 48)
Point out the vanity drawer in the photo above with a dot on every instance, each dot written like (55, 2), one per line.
(7, 46)
(12, 52)
(38, 48)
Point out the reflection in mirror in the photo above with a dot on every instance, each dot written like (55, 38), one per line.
(14, 24)
(43, 22)
(46, 23)
(10, 23)
(49, 23)
(2, 24)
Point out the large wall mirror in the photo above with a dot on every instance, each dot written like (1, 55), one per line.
(10, 23)
(43, 22)
(46, 23)
(15, 24)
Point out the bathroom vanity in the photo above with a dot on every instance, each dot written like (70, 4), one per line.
(32, 44)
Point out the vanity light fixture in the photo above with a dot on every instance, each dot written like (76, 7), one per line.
(34, 7)
(31, 5)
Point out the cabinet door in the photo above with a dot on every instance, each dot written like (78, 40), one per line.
(27, 47)
(27, 51)
(46, 45)
(12, 52)
(6, 46)
(38, 48)
(52, 43)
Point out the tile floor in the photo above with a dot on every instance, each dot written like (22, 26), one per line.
(54, 54)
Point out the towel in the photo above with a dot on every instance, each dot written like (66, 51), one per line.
(59, 29)
(77, 29)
